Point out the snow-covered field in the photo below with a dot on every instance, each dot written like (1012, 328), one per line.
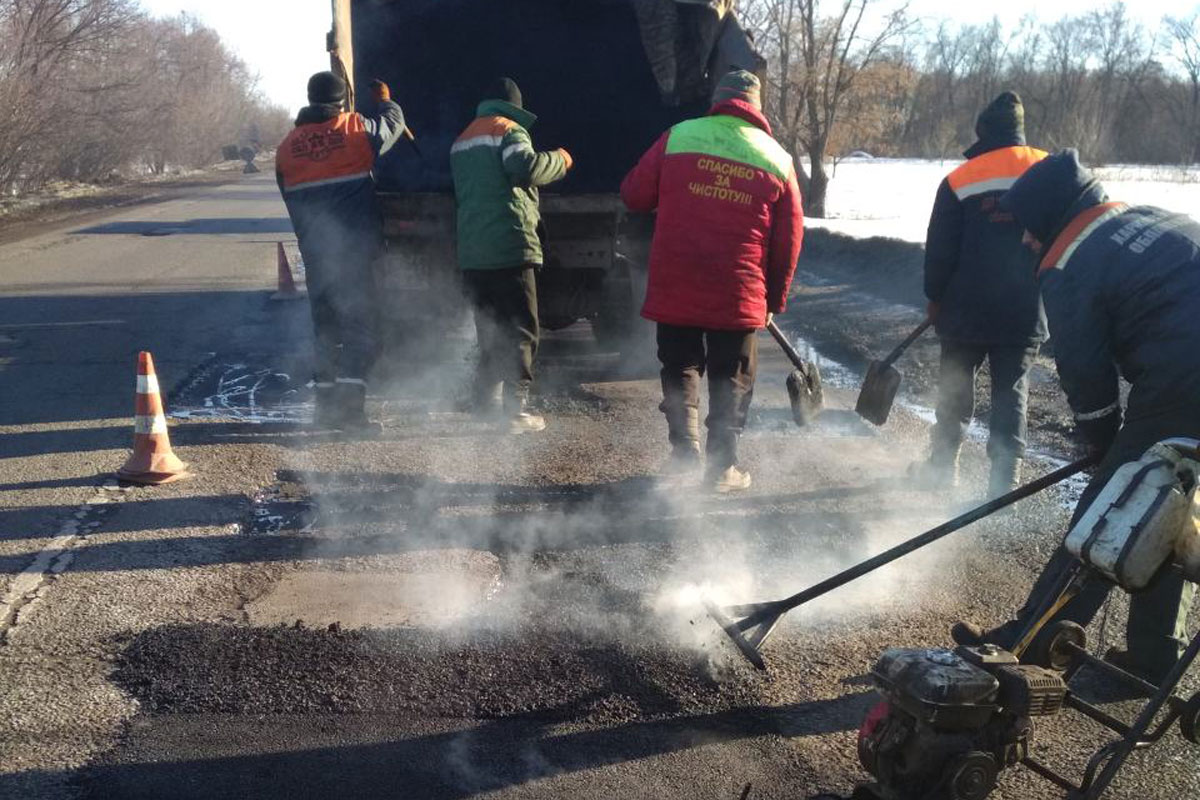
(893, 197)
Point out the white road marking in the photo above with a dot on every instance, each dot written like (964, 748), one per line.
(30, 585)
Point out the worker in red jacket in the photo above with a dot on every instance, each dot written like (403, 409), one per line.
(725, 246)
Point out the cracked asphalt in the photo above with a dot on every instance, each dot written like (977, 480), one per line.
(446, 612)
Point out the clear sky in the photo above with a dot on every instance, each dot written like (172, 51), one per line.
(284, 40)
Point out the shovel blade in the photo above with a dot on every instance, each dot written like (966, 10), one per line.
(878, 393)
(806, 394)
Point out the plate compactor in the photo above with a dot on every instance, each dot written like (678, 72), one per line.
(951, 720)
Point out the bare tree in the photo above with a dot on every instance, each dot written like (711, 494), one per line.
(820, 51)
(1184, 35)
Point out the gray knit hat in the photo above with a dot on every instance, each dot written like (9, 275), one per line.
(739, 85)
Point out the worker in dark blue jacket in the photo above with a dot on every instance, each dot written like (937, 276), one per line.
(1122, 291)
(983, 299)
(323, 168)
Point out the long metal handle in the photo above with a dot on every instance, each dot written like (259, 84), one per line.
(917, 542)
(900, 348)
(788, 350)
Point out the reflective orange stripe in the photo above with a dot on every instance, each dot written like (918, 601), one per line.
(487, 126)
(996, 171)
(323, 151)
(1074, 233)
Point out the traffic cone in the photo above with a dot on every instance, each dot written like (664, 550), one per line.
(287, 287)
(153, 462)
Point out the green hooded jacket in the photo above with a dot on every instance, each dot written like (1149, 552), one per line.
(496, 174)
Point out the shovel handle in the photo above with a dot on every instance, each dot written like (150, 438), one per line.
(908, 340)
(788, 350)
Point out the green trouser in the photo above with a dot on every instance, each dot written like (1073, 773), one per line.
(1157, 629)
(506, 326)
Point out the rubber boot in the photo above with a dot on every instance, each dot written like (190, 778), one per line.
(731, 479)
(683, 430)
(520, 418)
(1005, 475)
(352, 410)
(969, 633)
(939, 471)
(326, 414)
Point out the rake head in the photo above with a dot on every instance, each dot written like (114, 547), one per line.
(748, 626)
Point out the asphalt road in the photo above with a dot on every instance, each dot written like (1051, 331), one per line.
(446, 612)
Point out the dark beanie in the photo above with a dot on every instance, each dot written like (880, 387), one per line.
(1051, 193)
(1004, 118)
(326, 88)
(506, 89)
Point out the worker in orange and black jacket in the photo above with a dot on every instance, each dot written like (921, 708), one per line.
(983, 299)
(324, 171)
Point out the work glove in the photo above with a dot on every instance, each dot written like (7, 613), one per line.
(1097, 435)
(932, 309)
(381, 91)
(566, 157)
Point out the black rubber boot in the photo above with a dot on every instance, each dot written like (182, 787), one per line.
(326, 413)
(352, 411)
(970, 634)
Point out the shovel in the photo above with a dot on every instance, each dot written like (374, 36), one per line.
(758, 620)
(883, 380)
(803, 383)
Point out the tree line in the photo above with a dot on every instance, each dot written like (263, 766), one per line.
(849, 75)
(93, 88)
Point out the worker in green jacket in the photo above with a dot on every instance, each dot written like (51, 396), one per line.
(496, 174)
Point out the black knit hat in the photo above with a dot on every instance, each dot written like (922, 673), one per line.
(1004, 118)
(1051, 193)
(506, 89)
(326, 88)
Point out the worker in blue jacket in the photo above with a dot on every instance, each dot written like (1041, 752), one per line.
(1121, 286)
(983, 300)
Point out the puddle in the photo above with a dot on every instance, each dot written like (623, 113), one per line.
(414, 589)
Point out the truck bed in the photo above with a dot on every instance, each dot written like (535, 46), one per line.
(580, 65)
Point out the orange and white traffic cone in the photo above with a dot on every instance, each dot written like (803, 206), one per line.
(287, 286)
(153, 462)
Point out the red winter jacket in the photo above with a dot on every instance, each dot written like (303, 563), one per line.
(729, 222)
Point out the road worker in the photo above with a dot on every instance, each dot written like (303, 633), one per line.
(726, 240)
(983, 300)
(1121, 286)
(496, 178)
(323, 168)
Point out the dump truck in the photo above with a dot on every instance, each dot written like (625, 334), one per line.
(605, 77)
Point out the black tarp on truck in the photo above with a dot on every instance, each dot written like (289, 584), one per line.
(605, 77)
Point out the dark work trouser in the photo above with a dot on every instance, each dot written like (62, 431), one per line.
(730, 358)
(1157, 630)
(506, 326)
(956, 397)
(341, 296)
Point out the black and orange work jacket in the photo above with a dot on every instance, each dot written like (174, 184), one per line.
(976, 268)
(324, 170)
